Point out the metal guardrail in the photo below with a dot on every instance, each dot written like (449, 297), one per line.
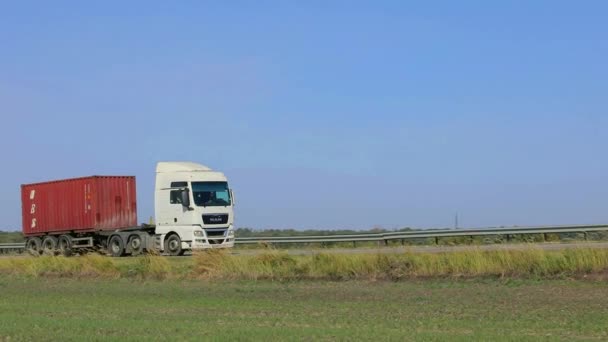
(421, 234)
(11, 247)
(385, 237)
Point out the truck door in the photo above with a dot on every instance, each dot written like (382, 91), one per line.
(178, 214)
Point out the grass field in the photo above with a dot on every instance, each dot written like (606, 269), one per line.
(88, 309)
(515, 295)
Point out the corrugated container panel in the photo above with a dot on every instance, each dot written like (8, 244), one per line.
(79, 204)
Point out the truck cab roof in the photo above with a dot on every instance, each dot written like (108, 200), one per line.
(166, 167)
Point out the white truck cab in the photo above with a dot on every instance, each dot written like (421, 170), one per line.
(194, 208)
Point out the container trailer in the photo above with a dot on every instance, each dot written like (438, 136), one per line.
(193, 209)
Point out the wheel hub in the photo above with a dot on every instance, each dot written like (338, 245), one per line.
(135, 243)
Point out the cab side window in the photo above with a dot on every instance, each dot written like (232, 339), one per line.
(175, 195)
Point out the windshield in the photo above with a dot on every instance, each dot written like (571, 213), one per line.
(211, 194)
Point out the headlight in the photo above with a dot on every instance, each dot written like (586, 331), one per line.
(198, 233)
(231, 233)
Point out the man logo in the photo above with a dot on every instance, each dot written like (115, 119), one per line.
(215, 218)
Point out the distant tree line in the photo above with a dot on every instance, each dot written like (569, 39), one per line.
(250, 232)
(10, 237)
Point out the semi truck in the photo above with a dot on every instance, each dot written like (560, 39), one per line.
(193, 209)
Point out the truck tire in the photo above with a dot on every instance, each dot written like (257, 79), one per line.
(116, 246)
(33, 246)
(64, 244)
(173, 245)
(49, 245)
(136, 244)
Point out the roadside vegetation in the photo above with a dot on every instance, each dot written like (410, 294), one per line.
(527, 263)
(273, 265)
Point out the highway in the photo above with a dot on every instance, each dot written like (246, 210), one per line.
(404, 249)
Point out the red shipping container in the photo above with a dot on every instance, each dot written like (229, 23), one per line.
(79, 205)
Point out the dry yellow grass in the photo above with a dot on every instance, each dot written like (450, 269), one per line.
(275, 265)
(91, 265)
(471, 263)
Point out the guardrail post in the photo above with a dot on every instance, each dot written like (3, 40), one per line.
(386, 242)
(508, 238)
(437, 240)
(585, 233)
(545, 237)
(354, 244)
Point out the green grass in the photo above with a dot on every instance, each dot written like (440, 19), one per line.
(38, 309)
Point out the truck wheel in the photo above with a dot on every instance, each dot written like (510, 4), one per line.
(49, 245)
(33, 246)
(136, 245)
(65, 245)
(116, 246)
(173, 245)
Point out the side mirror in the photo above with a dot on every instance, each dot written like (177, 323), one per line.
(232, 197)
(185, 197)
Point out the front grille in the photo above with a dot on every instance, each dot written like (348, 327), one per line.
(216, 242)
(212, 233)
(215, 218)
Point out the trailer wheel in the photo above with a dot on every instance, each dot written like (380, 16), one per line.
(136, 245)
(173, 245)
(65, 245)
(116, 246)
(33, 246)
(49, 245)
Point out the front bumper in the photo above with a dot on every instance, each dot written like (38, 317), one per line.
(213, 237)
(204, 243)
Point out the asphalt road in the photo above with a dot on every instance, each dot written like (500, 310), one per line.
(414, 249)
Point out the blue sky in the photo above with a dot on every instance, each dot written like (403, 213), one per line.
(322, 114)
